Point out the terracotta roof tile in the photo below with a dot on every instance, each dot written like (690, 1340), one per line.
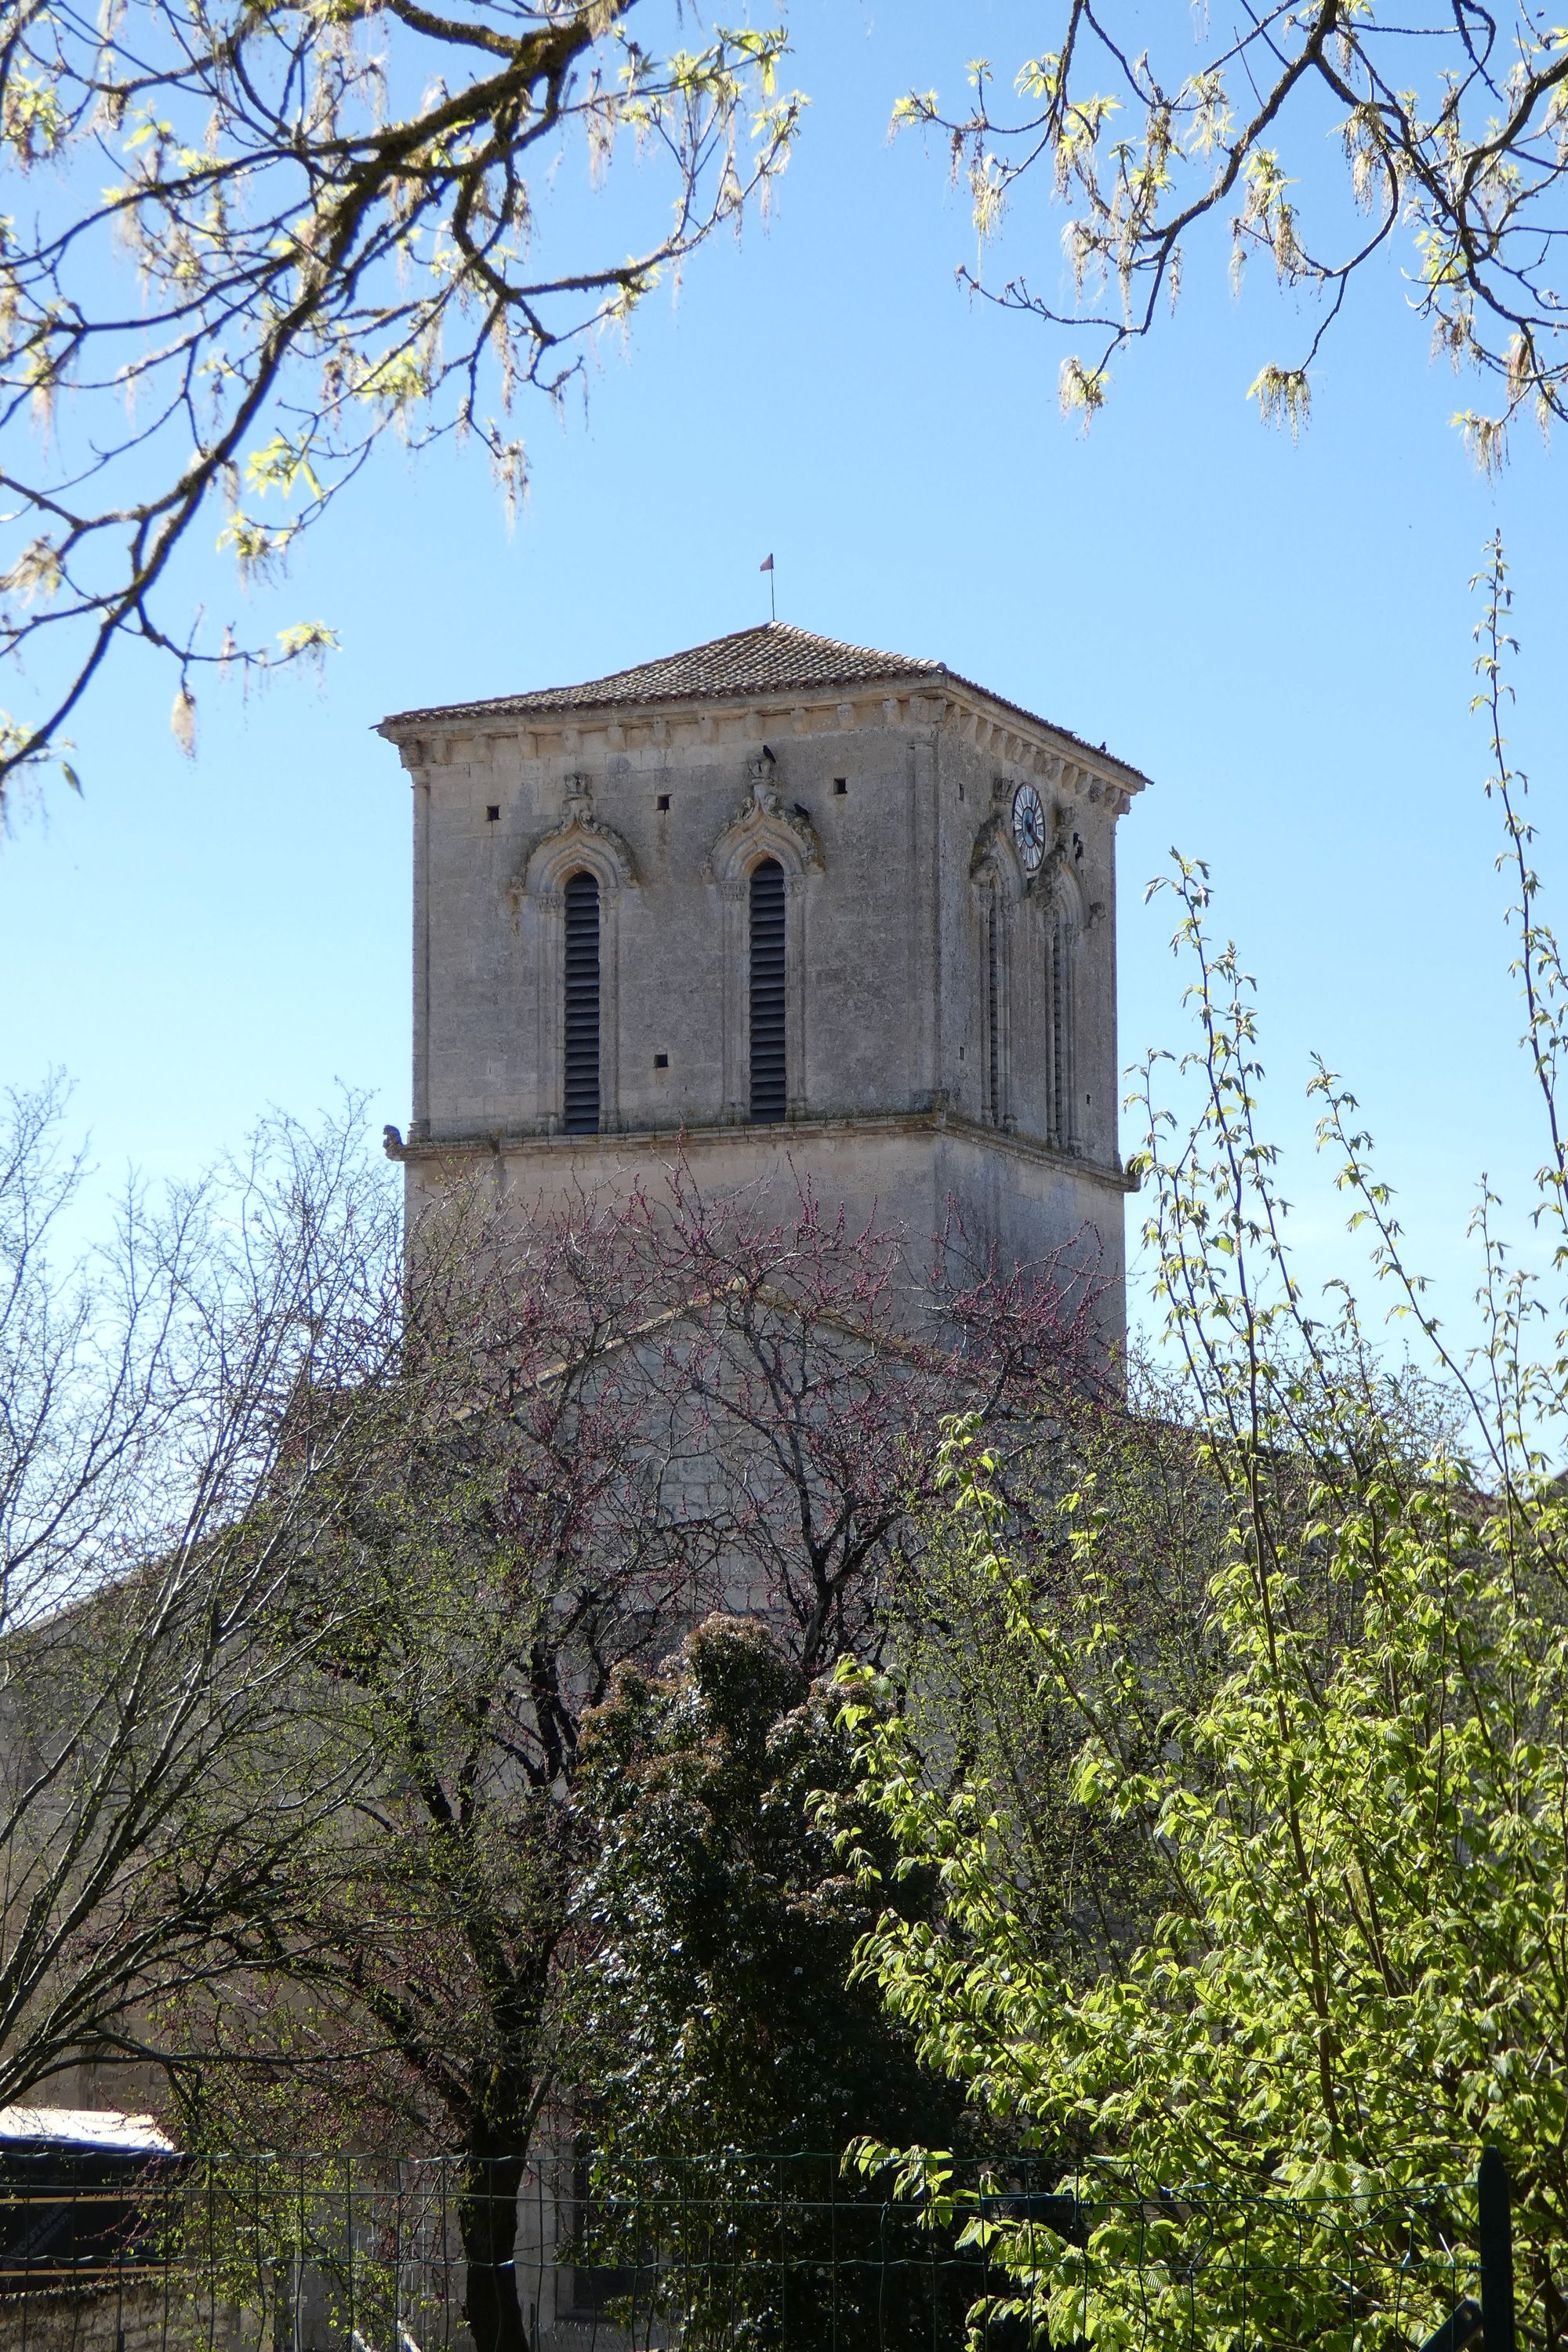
(750, 661)
(774, 657)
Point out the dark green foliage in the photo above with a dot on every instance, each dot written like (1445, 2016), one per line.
(722, 2009)
(726, 1916)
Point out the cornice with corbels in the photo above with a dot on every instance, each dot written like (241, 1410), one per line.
(1069, 769)
(1026, 754)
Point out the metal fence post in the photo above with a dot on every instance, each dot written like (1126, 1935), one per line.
(1494, 2235)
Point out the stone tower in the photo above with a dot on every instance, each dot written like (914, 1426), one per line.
(805, 904)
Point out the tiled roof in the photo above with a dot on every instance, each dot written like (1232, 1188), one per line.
(772, 658)
(750, 661)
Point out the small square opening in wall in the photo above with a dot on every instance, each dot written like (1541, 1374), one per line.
(841, 785)
(662, 802)
(492, 814)
(661, 1061)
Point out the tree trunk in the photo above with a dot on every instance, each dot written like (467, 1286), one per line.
(486, 2221)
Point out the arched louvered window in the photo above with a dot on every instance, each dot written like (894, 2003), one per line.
(582, 1102)
(994, 1009)
(769, 1091)
(1061, 1035)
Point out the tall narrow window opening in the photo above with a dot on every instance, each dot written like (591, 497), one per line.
(769, 1092)
(994, 1008)
(582, 1091)
(1061, 1036)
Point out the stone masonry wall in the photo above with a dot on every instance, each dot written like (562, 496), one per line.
(891, 817)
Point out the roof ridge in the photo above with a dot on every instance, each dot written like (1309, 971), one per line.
(906, 663)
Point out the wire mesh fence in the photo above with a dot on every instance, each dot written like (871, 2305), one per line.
(731, 2253)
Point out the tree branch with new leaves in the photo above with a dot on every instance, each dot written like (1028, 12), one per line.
(245, 244)
(1451, 122)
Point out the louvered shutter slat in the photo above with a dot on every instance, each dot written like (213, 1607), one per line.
(769, 1086)
(582, 1092)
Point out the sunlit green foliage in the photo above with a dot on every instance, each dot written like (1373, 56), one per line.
(1355, 1813)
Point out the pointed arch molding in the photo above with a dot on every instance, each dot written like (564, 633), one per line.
(994, 858)
(1061, 890)
(1000, 887)
(580, 844)
(1040, 920)
(1066, 925)
(762, 828)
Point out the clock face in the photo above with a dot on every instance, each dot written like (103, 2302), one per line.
(1029, 828)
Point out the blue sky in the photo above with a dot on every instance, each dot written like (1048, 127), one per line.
(1278, 635)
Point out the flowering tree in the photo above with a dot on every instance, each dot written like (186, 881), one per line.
(246, 244)
(1450, 122)
(817, 1362)
(604, 1421)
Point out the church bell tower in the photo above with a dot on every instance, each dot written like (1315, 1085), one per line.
(809, 907)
